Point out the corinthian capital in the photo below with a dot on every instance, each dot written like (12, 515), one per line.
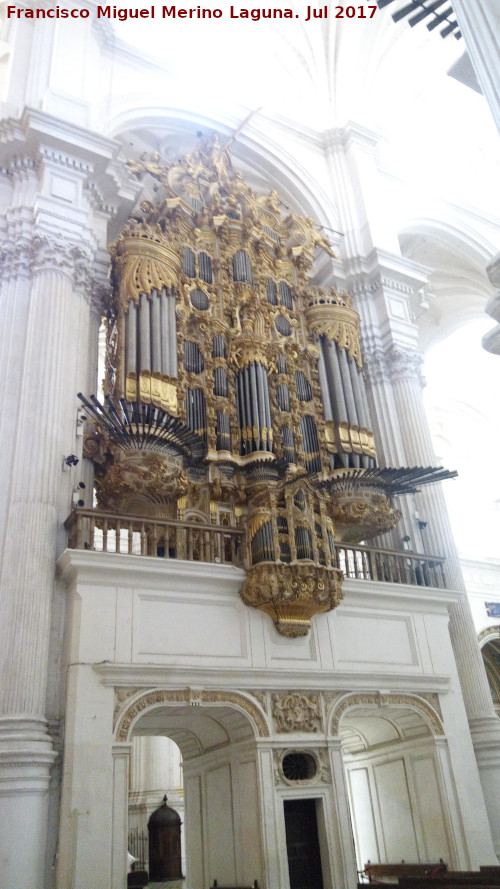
(393, 365)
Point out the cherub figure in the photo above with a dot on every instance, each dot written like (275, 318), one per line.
(144, 166)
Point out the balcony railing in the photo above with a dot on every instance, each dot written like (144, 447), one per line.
(135, 535)
(92, 529)
(391, 566)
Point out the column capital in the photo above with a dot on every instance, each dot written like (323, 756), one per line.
(75, 173)
(395, 364)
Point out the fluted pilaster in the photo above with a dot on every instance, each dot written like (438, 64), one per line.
(480, 25)
(405, 371)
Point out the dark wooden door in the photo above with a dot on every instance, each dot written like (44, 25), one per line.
(302, 844)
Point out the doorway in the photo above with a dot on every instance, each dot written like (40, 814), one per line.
(302, 844)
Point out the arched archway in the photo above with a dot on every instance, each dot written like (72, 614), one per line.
(489, 641)
(216, 733)
(394, 754)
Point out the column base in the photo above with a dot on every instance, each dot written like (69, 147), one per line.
(26, 758)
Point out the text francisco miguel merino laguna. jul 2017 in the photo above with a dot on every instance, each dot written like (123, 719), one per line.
(196, 12)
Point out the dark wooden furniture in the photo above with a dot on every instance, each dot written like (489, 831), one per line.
(451, 880)
(376, 872)
(254, 885)
(137, 879)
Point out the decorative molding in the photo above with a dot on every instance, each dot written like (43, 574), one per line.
(26, 255)
(323, 773)
(292, 594)
(297, 712)
(152, 698)
(380, 701)
(488, 634)
(393, 365)
(406, 365)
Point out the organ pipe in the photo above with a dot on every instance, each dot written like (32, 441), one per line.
(325, 389)
(131, 338)
(165, 341)
(352, 414)
(155, 333)
(144, 334)
(254, 409)
(334, 377)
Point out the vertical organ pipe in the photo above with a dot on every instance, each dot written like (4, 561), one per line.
(155, 333)
(252, 370)
(131, 338)
(338, 401)
(164, 321)
(172, 335)
(356, 389)
(144, 334)
(267, 404)
(352, 414)
(261, 400)
(325, 390)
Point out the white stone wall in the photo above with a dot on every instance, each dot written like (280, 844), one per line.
(385, 641)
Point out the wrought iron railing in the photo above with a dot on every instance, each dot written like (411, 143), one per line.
(138, 846)
(93, 529)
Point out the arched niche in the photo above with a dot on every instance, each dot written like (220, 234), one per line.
(489, 641)
(395, 759)
(216, 732)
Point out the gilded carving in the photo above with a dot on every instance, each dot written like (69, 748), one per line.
(216, 381)
(292, 594)
(297, 712)
(142, 484)
(361, 514)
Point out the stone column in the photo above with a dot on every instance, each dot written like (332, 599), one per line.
(479, 22)
(52, 250)
(28, 564)
(404, 370)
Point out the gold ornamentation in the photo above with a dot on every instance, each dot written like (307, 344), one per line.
(385, 701)
(297, 712)
(292, 594)
(330, 314)
(143, 483)
(362, 513)
(142, 265)
(209, 232)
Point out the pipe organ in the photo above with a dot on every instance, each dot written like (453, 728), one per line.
(235, 388)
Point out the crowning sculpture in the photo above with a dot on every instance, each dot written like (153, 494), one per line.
(235, 390)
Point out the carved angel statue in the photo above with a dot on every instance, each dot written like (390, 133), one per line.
(147, 166)
(318, 239)
(220, 158)
(304, 232)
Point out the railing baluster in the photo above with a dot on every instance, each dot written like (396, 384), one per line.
(154, 539)
(207, 542)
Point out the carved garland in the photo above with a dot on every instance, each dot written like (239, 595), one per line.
(385, 701)
(152, 698)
